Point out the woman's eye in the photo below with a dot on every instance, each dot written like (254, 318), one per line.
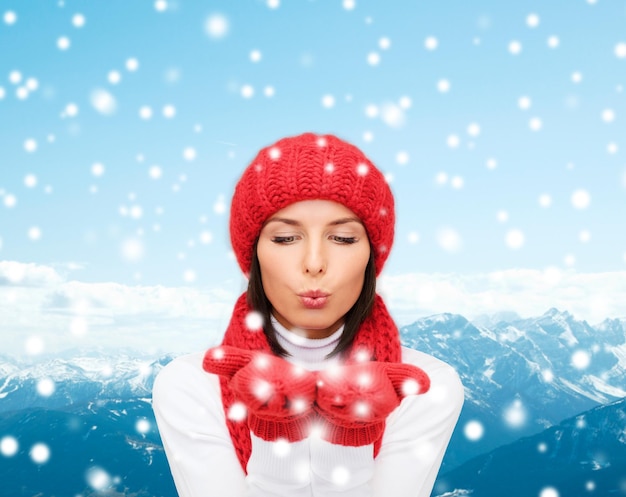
(283, 239)
(344, 239)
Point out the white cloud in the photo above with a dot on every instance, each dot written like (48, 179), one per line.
(45, 307)
(63, 314)
(528, 292)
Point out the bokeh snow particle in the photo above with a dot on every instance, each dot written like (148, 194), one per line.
(453, 141)
(491, 163)
(532, 20)
(71, 110)
(535, 124)
(97, 169)
(524, 102)
(612, 148)
(608, 115)
(63, 43)
(569, 260)
(457, 182)
(160, 5)
(45, 387)
(584, 236)
(542, 447)
(581, 199)
(473, 129)
(30, 180)
(405, 102)
(10, 17)
(9, 446)
(206, 237)
(237, 412)
(145, 112)
(515, 415)
(10, 200)
(216, 26)
(132, 64)
(581, 359)
(132, 249)
(2, 92)
(373, 58)
(384, 43)
(32, 84)
(34, 233)
(514, 239)
(431, 43)
(402, 158)
(340, 476)
(281, 447)
(545, 200)
(371, 111)
(103, 102)
(549, 492)
(449, 240)
(189, 153)
(502, 216)
(169, 111)
(392, 115)
(441, 178)
(219, 207)
(269, 91)
(515, 47)
(97, 478)
(78, 20)
(30, 145)
(142, 426)
(189, 276)
(155, 172)
(553, 41)
(79, 326)
(34, 345)
(577, 77)
(413, 237)
(349, 4)
(620, 50)
(443, 85)
(247, 91)
(473, 430)
(328, 101)
(40, 453)
(254, 321)
(255, 55)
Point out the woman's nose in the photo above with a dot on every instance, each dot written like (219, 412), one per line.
(314, 261)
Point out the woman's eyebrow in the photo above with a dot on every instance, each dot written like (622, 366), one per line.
(294, 222)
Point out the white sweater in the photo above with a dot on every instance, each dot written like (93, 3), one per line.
(188, 408)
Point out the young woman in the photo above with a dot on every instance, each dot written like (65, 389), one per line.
(310, 393)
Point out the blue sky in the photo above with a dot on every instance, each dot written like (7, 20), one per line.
(125, 126)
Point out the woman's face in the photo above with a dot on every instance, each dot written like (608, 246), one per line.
(313, 246)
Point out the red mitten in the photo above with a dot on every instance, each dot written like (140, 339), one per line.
(355, 400)
(278, 395)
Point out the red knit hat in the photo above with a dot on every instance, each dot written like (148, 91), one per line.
(309, 167)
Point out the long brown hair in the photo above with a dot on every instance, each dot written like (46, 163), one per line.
(258, 301)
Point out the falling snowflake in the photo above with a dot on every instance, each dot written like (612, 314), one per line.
(39, 453)
(473, 430)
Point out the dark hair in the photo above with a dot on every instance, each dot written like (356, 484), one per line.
(362, 308)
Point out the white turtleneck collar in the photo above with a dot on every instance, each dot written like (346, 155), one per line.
(309, 353)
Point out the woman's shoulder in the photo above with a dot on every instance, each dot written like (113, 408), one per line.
(185, 373)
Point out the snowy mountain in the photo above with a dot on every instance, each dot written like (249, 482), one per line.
(89, 377)
(523, 376)
(583, 455)
(103, 448)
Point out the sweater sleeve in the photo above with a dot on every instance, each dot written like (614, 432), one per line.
(189, 414)
(418, 431)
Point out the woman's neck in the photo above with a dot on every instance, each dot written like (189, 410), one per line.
(310, 353)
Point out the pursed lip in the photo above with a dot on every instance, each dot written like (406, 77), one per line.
(314, 294)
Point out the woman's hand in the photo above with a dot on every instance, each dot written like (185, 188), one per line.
(355, 400)
(278, 395)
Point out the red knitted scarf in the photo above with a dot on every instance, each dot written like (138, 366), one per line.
(377, 337)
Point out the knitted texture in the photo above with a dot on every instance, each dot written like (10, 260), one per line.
(311, 167)
(355, 400)
(278, 396)
(376, 340)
